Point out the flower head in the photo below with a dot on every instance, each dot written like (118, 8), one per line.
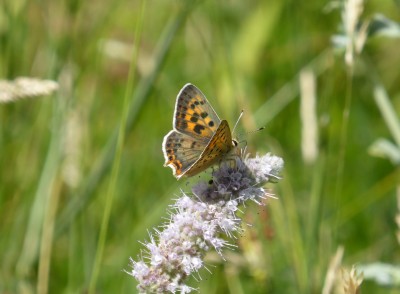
(240, 179)
(197, 223)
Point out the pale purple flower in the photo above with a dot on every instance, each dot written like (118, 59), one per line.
(197, 223)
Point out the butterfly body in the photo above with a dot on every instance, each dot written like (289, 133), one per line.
(199, 138)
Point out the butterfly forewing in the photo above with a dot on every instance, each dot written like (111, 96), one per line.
(194, 116)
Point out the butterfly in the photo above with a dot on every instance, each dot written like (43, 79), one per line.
(199, 138)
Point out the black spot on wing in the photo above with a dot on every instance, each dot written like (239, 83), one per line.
(182, 107)
(204, 114)
(198, 129)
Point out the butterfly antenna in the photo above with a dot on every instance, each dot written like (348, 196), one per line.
(251, 132)
(240, 116)
(259, 129)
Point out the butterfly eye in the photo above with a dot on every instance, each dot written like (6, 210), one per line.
(234, 143)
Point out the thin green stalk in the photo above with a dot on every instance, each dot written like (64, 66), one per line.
(46, 242)
(40, 204)
(298, 251)
(343, 142)
(314, 211)
(111, 191)
(289, 231)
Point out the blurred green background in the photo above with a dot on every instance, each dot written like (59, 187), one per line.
(62, 182)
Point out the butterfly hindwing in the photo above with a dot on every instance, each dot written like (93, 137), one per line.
(181, 152)
(194, 116)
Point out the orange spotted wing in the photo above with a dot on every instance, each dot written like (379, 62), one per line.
(199, 138)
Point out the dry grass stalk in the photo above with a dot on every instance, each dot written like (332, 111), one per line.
(351, 281)
(331, 275)
(25, 87)
(351, 15)
(308, 113)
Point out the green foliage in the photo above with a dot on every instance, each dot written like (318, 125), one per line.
(63, 170)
